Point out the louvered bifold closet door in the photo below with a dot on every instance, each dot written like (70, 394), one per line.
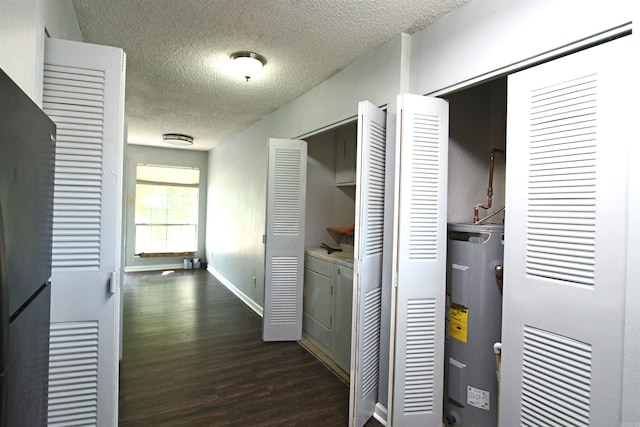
(368, 244)
(73, 99)
(419, 262)
(284, 251)
(565, 240)
(83, 94)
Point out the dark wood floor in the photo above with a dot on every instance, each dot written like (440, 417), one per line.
(193, 356)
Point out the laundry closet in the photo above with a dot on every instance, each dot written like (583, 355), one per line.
(328, 270)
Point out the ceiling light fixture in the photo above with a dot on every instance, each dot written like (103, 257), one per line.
(248, 64)
(177, 139)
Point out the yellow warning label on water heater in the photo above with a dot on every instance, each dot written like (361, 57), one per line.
(458, 320)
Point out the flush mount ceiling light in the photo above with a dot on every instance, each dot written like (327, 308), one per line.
(177, 139)
(248, 64)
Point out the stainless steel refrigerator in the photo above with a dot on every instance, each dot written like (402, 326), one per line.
(27, 144)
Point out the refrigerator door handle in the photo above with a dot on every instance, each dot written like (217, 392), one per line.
(4, 324)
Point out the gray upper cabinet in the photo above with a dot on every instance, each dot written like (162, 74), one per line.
(346, 156)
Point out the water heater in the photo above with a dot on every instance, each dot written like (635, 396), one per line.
(474, 316)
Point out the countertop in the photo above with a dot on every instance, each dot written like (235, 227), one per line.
(344, 258)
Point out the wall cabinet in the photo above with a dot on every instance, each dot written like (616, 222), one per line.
(327, 305)
(345, 156)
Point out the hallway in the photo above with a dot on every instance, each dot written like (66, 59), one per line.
(193, 356)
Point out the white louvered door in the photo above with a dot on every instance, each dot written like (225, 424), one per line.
(367, 289)
(84, 95)
(565, 240)
(417, 344)
(284, 250)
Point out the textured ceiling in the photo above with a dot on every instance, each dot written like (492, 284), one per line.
(178, 76)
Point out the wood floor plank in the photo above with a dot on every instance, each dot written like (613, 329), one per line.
(193, 356)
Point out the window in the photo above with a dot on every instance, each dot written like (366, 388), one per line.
(166, 214)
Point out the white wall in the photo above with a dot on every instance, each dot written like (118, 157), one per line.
(631, 368)
(137, 154)
(488, 35)
(631, 384)
(18, 35)
(238, 167)
(22, 34)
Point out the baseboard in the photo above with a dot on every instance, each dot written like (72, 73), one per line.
(155, 267)
(243, 297)
(380, 414)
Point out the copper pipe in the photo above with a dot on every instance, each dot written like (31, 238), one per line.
(476, 208)
(480, 221)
